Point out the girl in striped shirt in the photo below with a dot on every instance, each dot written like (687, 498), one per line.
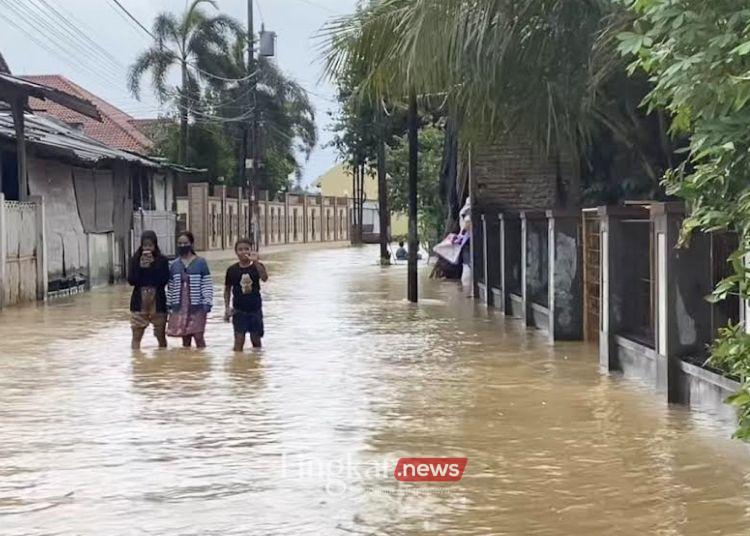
(190, 293)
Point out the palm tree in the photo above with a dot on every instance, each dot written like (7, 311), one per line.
(281, 106)
(545, 70)
(193, 43)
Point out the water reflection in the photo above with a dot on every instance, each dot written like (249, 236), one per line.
(300, 438)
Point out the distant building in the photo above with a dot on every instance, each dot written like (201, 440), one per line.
(337, 182)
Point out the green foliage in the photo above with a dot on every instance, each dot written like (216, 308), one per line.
(430, 205)
(698, 55)
(544, 70)
(285, 115)
(208, 147)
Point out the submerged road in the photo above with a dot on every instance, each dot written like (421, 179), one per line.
(301, 438)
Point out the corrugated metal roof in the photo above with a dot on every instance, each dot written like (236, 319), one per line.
(14, 85)
(49, 133)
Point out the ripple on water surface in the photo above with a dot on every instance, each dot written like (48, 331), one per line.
(301, 438)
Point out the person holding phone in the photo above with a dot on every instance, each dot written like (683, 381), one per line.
(243, 303)
(148, 273)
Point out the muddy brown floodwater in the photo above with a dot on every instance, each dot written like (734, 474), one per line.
(302, 437)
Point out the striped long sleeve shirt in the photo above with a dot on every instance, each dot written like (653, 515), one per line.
(201, 285)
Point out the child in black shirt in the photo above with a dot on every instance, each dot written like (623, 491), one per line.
(242, 286)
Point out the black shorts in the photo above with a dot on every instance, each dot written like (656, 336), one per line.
(245, 322)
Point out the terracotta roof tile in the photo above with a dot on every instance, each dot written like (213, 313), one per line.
(116, 129)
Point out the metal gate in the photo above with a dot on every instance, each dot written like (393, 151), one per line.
(164, 224)
(591, 275)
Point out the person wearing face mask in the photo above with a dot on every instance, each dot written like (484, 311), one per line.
(190, 293)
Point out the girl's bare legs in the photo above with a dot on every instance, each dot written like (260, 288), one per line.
(239, 342)
(200, 341)
(137, 338)
(186, 341)
(256, 341)
(161, 335)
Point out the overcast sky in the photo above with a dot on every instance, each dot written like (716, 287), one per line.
(34, 40)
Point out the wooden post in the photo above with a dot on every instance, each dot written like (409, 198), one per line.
(18, 107)
(413, 177)
(42, 281)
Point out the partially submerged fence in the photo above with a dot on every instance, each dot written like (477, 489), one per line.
(615, 276)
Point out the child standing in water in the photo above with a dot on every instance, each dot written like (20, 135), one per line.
(242, 286)
(190, 293)
(148, 273)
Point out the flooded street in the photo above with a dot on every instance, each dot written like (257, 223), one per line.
(301, 438)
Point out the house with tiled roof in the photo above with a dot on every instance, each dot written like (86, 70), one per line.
(89, 165)
(117, 129)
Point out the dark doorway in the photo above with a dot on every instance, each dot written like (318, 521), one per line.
(9, 175)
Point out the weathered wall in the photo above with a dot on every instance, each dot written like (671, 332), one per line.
(95, 194)
(67, 247)
(537, 262)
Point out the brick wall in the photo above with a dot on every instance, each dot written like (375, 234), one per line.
(513, 175)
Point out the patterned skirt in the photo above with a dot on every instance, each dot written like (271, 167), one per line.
(186, 321)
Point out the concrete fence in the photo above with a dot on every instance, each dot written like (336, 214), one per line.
(618, 272)
(218, 216)
(23, 268)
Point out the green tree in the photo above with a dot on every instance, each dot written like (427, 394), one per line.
(431, 206)
(698, 55)
(193, 43)
(547, 70)
(208, 146)
(285, 115)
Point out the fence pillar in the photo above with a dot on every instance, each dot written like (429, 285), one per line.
(3, 253)
(304, 219)
(42, 274)
(221, 192)
(615, 261)
(240, 213)
(198, 213)
(511, 265)
(565, 276)
(683, 279)
(532, 259)
(485, 264)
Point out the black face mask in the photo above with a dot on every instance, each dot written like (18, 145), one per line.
(184, 250)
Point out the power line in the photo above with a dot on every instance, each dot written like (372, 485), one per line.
(76, 26)
(133, 18)
(190, 64)
(54, 46)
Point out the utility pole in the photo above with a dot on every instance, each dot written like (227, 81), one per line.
(251, 136)
(413, 175)
(385, 257)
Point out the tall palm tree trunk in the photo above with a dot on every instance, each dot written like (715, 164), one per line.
(184, 116)
(413, 175)
(385, 258)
